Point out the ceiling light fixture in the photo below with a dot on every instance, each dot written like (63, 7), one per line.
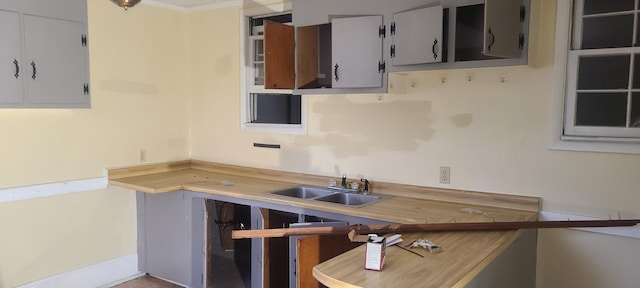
(126, 3)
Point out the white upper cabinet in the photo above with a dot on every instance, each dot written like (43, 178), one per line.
(502, 28)
(11, 62)
(417, 36)
(55, 52)
(356, 49)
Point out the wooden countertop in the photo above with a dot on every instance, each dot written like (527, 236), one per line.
(464, 255)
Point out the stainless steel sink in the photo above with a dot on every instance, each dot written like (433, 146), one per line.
(327, 195)
(350, 199)
(303, 192)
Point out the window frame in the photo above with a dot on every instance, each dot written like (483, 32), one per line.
(247, 86)
(558, 139)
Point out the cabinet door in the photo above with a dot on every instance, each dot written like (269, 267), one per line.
(502, 28)
(11, 63)
(279, 69)
(418, 36)
(356, 50)
(166, 224)
(56, 62)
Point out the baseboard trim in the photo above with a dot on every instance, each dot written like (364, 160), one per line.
(105, 274)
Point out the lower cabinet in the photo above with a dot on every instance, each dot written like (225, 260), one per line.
(184, 237)
(171, 230)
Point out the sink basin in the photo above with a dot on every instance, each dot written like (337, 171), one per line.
(303, 192)
(350, 199)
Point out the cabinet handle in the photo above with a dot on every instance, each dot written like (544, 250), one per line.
(434, 48)
(335, 72)
(15, 62)
(493, 39)
(33, 65)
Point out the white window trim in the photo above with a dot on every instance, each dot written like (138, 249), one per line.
(558, 141)
(295, 129)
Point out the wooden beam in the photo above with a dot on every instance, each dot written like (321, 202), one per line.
(436, 227)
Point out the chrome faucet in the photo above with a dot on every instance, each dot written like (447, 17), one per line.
(365, 190)
(343, 186)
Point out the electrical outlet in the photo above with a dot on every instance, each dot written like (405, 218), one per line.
(445, 175)
(143, 155)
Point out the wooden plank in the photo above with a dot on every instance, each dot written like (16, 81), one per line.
(436, 227)
(279, 57)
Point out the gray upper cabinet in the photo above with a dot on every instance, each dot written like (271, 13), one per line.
(44, 54)
(11, 62)
(57, 70)
(417, 36)
(502, 28)
(356, 49)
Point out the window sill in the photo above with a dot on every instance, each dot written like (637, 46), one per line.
(567, 143)
(290, 129)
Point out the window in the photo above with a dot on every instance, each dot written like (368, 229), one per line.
(603, 72)
(266, 110)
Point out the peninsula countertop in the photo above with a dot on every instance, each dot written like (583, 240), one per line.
(465, 253)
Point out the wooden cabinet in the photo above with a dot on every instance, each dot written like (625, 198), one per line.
(51, 69)
(417, 36)
(279, 58)
(313, 250)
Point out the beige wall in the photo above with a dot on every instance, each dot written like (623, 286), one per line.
(140, 101)
(493, 135)
(168, 82)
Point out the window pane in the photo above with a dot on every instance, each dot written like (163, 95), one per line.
(601, 109)
(259, 50)
(277, 109)
(636, 71)
(607, 32)
(603, 72)
(604, 6)
(635, 110)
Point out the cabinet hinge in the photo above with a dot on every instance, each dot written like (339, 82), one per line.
(392, 28)
(392, 51)
(382, 66)
(382, 31)
(83, 40)
(521, 41)
(85, 89)
(523, 13)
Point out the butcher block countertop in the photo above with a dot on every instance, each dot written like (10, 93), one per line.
(464, 253)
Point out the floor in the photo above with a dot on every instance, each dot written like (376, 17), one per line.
(226, 276)
(146, 282)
